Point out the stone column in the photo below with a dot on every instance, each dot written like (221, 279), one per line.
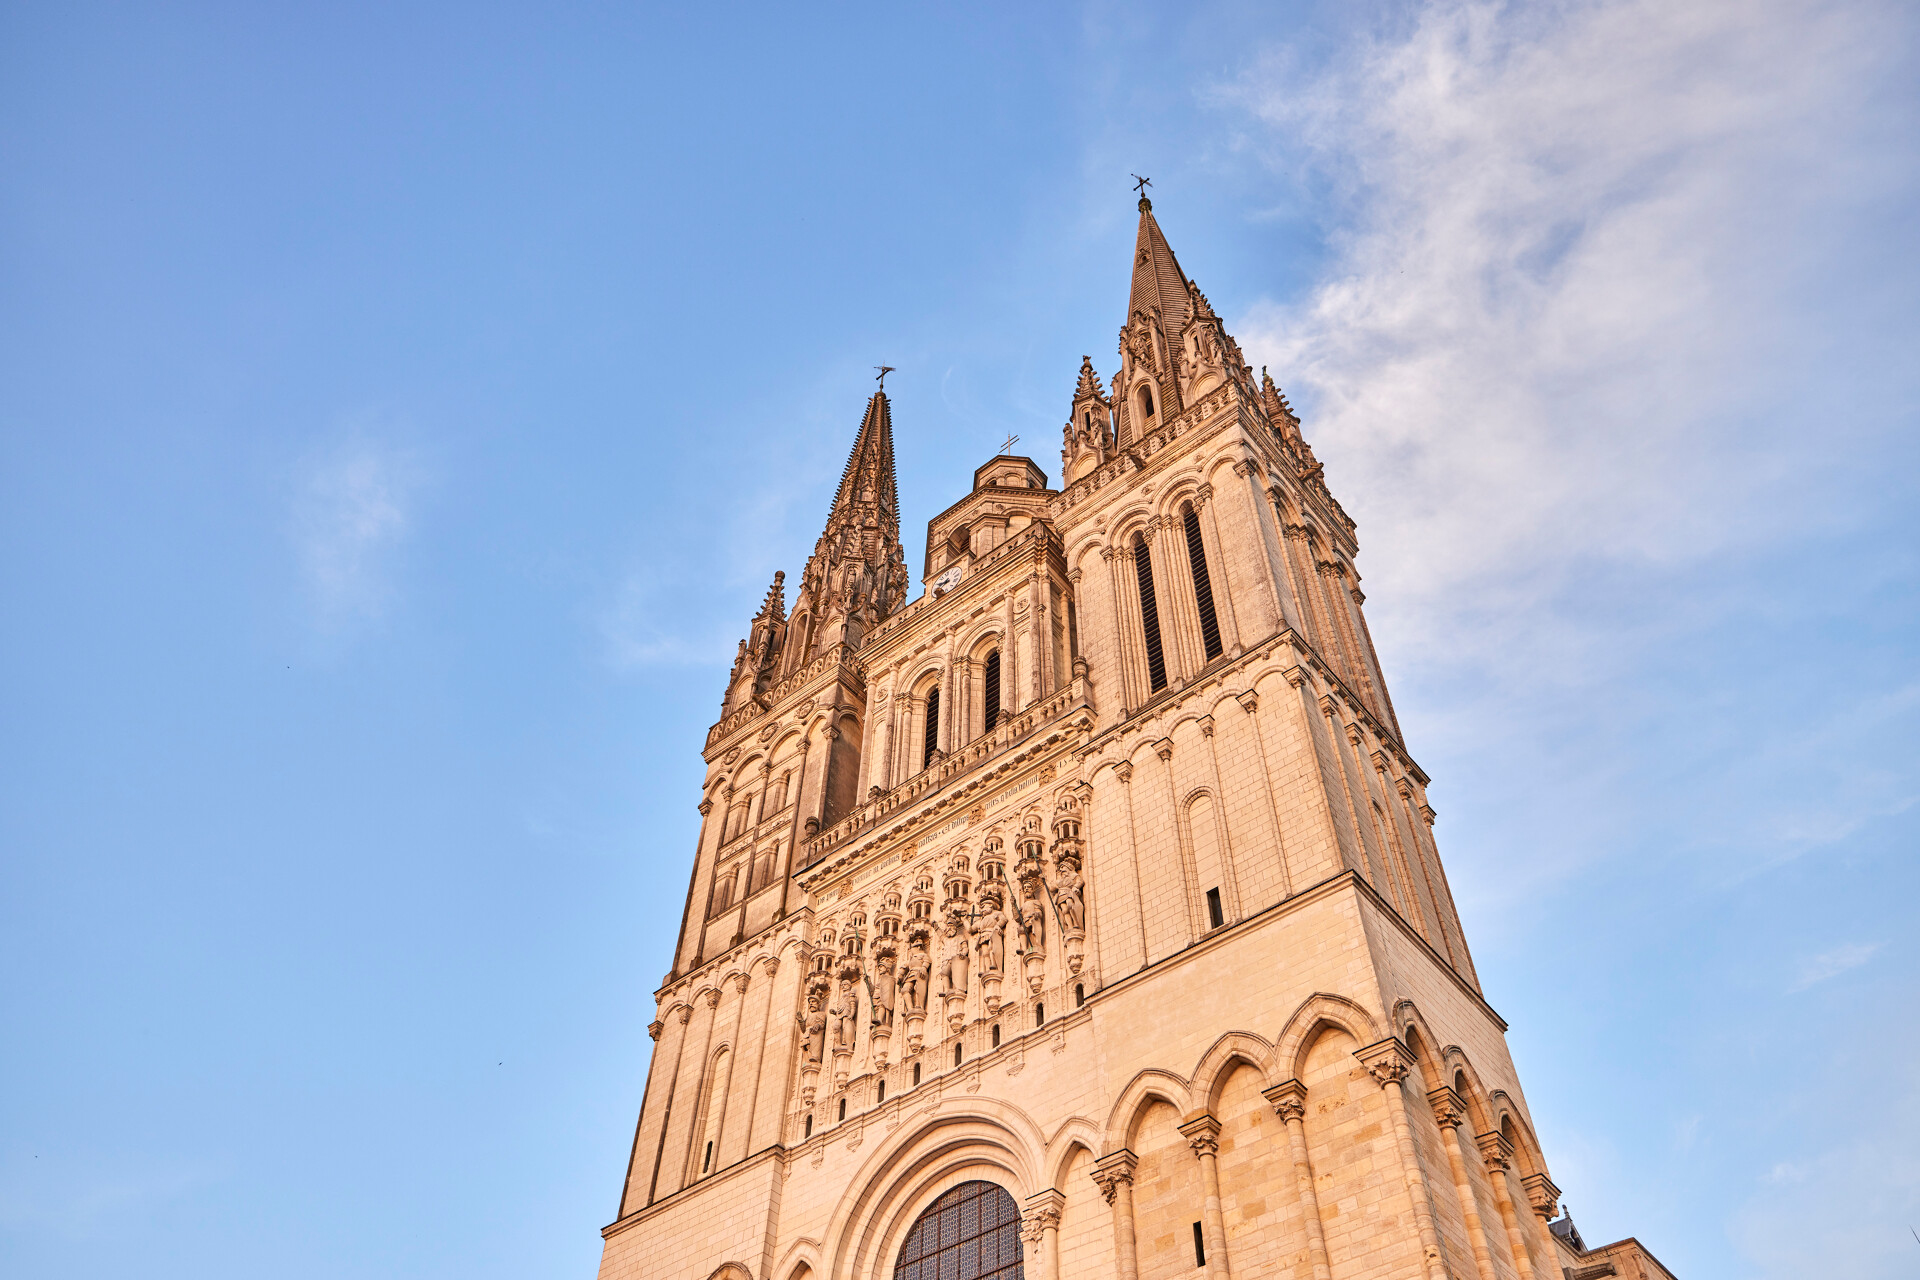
(1114, 1174)
(1450, 1111)
(1203, 1135)
(1388, 1062)
(1498, 1153)
(1289, 1101)
(1040, 1228)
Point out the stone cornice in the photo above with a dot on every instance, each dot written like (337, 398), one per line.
(840, 658)
(1025, 738)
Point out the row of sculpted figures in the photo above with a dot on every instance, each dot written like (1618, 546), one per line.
(979, 925)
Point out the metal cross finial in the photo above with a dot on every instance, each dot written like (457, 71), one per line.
(1011, 441)
(1141, 184)
(884, 369)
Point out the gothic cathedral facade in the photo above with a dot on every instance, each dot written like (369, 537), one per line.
(1081, 917)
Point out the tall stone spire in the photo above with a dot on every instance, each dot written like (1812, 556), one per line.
(1157, 278)
(857, 575)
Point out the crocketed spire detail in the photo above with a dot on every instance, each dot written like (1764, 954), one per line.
(857, 575)
(1157, 279)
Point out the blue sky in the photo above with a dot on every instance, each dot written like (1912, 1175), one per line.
(403, 408)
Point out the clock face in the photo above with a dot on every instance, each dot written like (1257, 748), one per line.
(948, 579)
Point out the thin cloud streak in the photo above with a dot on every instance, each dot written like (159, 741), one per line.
(1831, 964)
(352, 510)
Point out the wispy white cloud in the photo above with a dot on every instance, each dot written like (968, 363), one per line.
(1576, 258)
(352, 510)
(1831, 964)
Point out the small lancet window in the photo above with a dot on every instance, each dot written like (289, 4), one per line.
(1149, 615)
(991, 687)
(1202, 584)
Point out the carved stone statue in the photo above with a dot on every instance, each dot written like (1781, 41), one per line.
(846, 1014)
(916, 968)
(1033, 920)
(953, 958)
(990, 936)
(880, 991)
(1069, 896)
(813, 1026)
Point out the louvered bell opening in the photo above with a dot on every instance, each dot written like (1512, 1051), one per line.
(993, 690)
(932, 734)
(1149, 616)
(1202, 584)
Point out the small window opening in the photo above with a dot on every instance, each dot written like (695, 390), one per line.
(1039, 1015)
(992, 688)
(809, 1129)
(1149, 615)
(706, 1161)
(916, 1073)
(1146, 401)
(1213, 908)
(1202, 584)
(932, 733)
(1199, 1247)
(843, 1108)
(956, 1055)
(1079, 994)
(996, 1035)
(883, 1092)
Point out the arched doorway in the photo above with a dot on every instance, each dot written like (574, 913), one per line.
(970, 1233)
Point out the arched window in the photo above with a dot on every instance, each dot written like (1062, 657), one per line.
(1146, 403)
(991, 685)
(970, 1233)
(1149, 614)
(932, 732)
(1202, 584)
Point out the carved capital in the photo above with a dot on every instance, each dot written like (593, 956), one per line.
(712, 995)
(739, 981)
(1164, 748)
(654, 1029)
(684, 1013)
(1124, 770)
(706, 807)
(1249, 701)
(1206, 726)
(1387, 1061)
(1111, 1172)
(1203, 1135)
(1296, 675)
(1289, 1100)
(1542, 1195)
(1449, 1109)
(1495, 1150)
(1427, 814)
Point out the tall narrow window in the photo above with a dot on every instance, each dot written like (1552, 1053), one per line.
(1149, 615)
(1202, 585)
(993, 690)
(1215, 915)
(1199, 1247)
(933, 726)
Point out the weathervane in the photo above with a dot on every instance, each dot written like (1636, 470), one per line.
(1011, 441)
(884, 369)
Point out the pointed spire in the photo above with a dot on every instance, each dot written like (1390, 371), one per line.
(1089, 387)
(869, 476)
(775, 605)
(1157, 278)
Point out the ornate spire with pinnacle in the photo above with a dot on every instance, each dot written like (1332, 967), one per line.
(1157, 279)
(857, 575)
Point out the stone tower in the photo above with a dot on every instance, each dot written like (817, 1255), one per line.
(1081, 917)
